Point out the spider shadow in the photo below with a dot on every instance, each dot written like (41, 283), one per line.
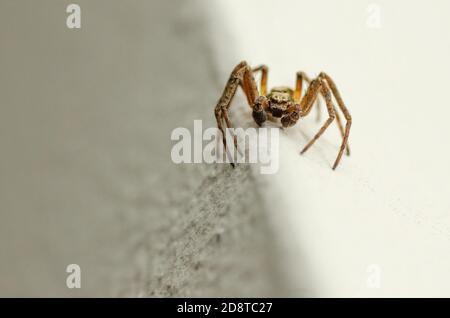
(319, 153)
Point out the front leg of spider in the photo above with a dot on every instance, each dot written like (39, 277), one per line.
(240, 76)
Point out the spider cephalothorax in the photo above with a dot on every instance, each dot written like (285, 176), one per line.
(283, 102)
(280, 99)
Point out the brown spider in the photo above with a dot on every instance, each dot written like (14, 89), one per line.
(283, 102)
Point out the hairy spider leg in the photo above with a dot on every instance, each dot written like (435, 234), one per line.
(321, 84)
(318, 86)
(297, 96)
(240, 76)
(298, 91)
(264, 76)
(346, 113)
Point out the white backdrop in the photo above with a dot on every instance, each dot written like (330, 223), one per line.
(379, 225)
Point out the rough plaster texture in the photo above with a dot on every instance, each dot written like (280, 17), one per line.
(86, 175)
(221, 245)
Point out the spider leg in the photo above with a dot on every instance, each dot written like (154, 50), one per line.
(264, 75)
(325, 91)
(229, 125)
(240, 76)
(346, 113)
(219, 119)
(341, 129)
(298, 90)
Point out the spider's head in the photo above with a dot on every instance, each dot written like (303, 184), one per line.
(280, 99)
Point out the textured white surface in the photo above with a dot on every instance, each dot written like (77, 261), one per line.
(387, 205)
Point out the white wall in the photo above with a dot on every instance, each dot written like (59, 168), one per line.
(388, 203)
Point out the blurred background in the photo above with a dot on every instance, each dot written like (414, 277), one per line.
(86, 117)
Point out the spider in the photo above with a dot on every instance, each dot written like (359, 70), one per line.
(283, 102)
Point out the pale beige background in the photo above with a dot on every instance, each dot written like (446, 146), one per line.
(388, 204)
